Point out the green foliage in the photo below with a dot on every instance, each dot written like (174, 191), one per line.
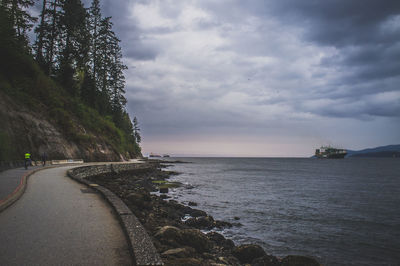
(21, 21)
(76, 80)
(136, 130)
(64, 121)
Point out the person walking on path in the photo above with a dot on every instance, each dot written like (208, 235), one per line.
(27, 160)
(44, 158)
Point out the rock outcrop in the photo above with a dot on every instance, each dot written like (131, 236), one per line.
(28, 130)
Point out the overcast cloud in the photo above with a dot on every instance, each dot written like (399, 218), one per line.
(261, 78)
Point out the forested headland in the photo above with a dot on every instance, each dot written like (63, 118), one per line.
(63, 92)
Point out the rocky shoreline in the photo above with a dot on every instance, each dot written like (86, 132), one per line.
(176, 228)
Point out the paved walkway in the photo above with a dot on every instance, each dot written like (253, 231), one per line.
(10, 180)
(60, 222)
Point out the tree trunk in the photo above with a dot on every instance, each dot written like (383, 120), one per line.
(52, 40)
(39, 55)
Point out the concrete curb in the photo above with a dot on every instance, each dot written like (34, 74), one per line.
(19, 191)
(140, 243)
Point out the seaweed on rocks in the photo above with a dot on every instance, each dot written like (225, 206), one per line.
(175, 228)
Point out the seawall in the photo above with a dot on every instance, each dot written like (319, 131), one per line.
(141, 246)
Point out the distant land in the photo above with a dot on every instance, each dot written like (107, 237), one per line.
(388, 151)
(382, 151)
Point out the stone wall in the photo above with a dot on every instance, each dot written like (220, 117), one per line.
(93, 170)
(9, 165)
(140, 243)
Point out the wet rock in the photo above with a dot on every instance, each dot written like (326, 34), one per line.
(165, 196)
(220, 240)
(140, 194)
(140, 199)
(170, 232)
(294, 260)
(191, 203)
(247, 253)
(196, 239)
(236, 218)
(185, 252)
(266, 261)
(163, 190)
(228, 260)
(202, 222)
(223, 261)
(174, 204)
(222, 224)
(197, 213)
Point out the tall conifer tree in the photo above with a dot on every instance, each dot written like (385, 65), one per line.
(75, 45)
(20, 19)
(94, 27)
(111, 79)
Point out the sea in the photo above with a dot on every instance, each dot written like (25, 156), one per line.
(341, 212)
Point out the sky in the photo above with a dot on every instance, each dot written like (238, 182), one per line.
(258, 77)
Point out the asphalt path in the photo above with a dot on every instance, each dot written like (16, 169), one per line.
(10, 179)
(60, 222)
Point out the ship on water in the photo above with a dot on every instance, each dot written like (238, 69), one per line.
(328, 152)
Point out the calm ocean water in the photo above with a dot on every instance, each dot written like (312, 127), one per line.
(342, 212)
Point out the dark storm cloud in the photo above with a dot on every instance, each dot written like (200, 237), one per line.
(329, 22)
(139, 51)
(270, 68)
(134, 48)
(367, 62)
(342, 22)
(366, 33)
(366, 36)
(126, 29)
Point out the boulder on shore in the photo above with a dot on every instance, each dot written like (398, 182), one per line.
(168, 234)
(191, 203)
(221, 241)
(247, 253)
(197, 213)
(196, 239)
(185, 252)
(202, 222)
(187, 237)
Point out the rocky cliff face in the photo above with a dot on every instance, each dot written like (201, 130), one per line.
(24, 130)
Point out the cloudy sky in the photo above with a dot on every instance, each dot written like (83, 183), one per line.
(258, 77)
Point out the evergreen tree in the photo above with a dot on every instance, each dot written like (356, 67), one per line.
(79, 48)
(111, 79)
(48, 36)
(105, 34)
(40, 30)
(7, 37)
(89, 91)
(75, 45)
(136, 130)
(117, 85)
(94, 28)
(7, 33)
(20, 19)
